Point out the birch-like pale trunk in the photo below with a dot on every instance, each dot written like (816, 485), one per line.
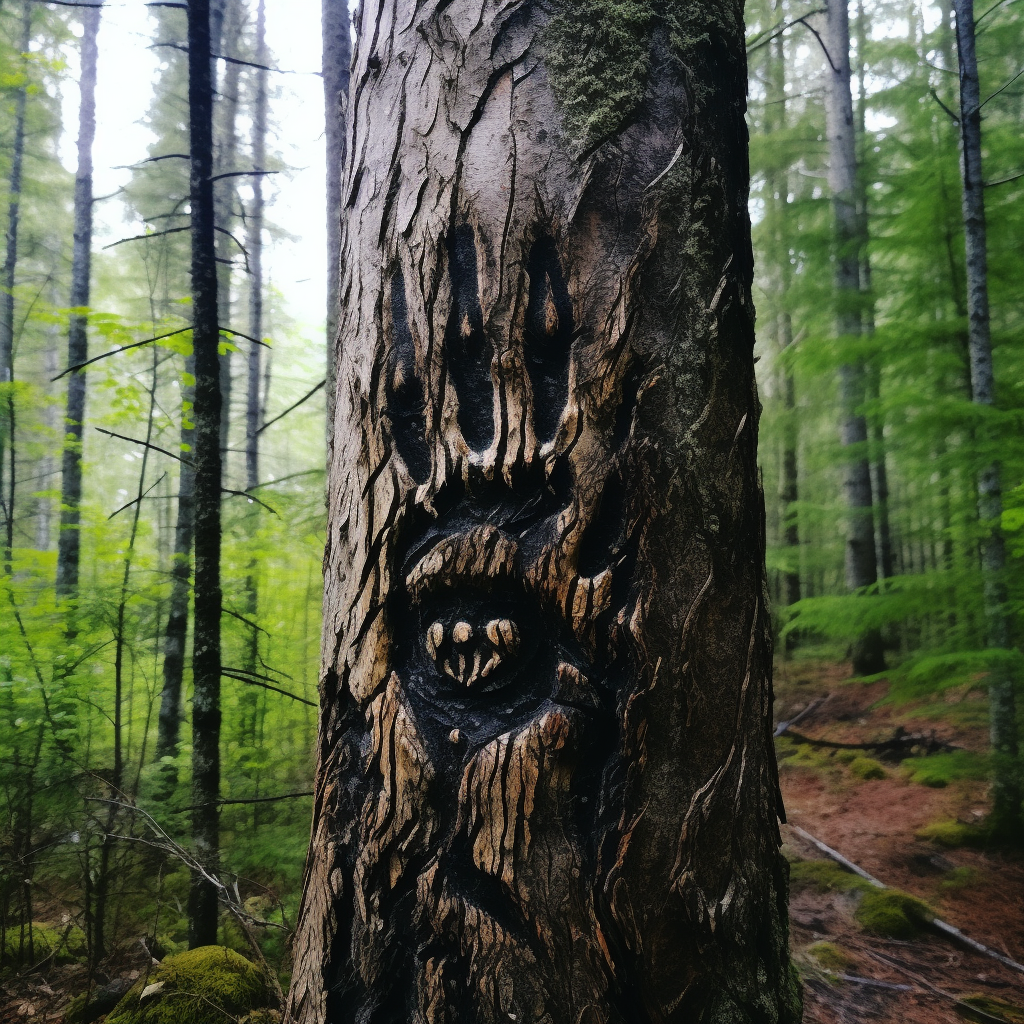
(206, 714)
(1006, 792)
(546, 787)
(8, 279)
(225, 194)
(337, 55)
(68, 543)
(250, 698)
(847, 241)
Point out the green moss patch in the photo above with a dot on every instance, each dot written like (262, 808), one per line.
(939, 770)
(997, 1008)
(867, 768)
(824, 876)
(209, 985)
(953, 834)
(892, 913)
(830, 956)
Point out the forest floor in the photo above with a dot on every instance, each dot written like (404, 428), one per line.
(907, 819)
(880, 815)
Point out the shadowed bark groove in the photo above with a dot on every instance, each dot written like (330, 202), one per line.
(546, 788)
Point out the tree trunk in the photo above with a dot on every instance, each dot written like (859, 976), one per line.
(546, 788)
(778, 197)
(7, 296)
(206, 457)
(879, 471)
(225, 194)
(78, 341)
(169, 717)
(1006, 795)
(337, 55)
(254, 244)
(847, 247)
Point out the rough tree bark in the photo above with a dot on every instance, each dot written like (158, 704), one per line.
(7, 281)
(546, 787)
(68, 545)
(206, 716)
(861, 568)
(1006, 796)
(337, 55)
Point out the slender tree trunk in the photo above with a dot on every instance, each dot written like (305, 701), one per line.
(68, 544)
(206, 714)
(7, 414)
(225, 194)
(879, 471)
(546, 787)
(254, 245)
(847, 247)
(337, 55)
(169, 717)
(1006, 796)
(778, 190)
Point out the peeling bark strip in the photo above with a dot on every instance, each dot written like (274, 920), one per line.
(546, 787)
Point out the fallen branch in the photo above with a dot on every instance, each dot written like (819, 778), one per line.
(900, 746)
(813, 706)
(937, 923)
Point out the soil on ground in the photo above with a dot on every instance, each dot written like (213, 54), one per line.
(849, 974)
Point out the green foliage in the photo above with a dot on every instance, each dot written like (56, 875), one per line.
(939, 770)
(197, 987)
(892, 914)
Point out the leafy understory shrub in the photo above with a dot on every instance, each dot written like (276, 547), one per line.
(867, 768)
(953, 834)
(824, 876)
(939, 770)
(203, 986)
(892, 913)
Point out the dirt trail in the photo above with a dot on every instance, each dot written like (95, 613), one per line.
(874, 822)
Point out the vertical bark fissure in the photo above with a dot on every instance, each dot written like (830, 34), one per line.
(69, 543)
(206, 714)
(860, 558)
(1006, 797)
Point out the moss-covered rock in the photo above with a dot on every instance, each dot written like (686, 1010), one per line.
(209, 985)
(867, 768)
(892, 913)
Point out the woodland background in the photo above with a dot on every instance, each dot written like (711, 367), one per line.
(94, 804)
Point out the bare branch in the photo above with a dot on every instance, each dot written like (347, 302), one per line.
(115, 351)
(152, 234)
(237, 674)
(145, 444)
(304, 398)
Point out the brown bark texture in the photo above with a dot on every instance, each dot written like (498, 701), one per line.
(546, 787)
